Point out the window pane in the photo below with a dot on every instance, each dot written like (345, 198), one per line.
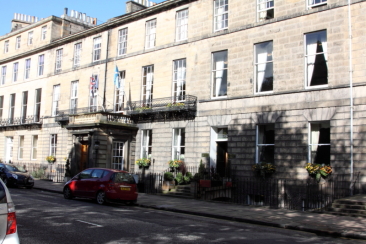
(316, 58)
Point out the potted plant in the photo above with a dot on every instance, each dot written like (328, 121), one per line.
(264, 169)
(168, 182)
(318, 171)
(50, 159)
(143, 162)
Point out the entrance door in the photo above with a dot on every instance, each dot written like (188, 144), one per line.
(221, 158)
(9, 149)
(83, 156)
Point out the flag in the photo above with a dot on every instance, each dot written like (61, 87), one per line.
(116, 77)
(93, 85)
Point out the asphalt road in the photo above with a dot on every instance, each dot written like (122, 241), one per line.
(48, 218)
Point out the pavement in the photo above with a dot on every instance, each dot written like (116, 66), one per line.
(318, 223)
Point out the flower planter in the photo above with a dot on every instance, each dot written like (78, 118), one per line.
(205, 183)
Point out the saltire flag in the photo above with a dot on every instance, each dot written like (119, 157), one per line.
(93, 85)
(116, 78)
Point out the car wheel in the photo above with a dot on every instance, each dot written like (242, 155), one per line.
(29, 187)
(132, 203)
(101, 197)
(67, 193)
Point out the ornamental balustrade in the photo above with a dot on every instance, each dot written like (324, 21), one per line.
(32, 119)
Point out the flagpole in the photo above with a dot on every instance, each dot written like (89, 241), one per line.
(105, 71)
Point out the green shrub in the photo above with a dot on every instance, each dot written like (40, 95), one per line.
(179, 178)
(38, 173)
(168, 176)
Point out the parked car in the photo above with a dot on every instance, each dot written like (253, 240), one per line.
(16, 176)
(8, 221)
(103, 185)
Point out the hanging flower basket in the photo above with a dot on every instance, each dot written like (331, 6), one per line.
(264, 169)
(318, 171)
(50, 159)
(174, 164)
(143, 162)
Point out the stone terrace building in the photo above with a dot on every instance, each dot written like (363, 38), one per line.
(225, 81)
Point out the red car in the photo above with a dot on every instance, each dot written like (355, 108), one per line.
(103, 185)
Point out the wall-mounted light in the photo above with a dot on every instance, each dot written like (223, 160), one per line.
(96, 145)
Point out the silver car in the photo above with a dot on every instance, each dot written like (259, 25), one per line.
(8, 221)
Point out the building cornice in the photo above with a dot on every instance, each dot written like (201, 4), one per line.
(117, 21)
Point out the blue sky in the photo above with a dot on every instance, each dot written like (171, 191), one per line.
(102, 10)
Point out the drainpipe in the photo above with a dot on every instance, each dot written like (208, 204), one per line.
(105, 70)
(350, 91)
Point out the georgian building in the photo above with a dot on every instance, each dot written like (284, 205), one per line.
(228, 82)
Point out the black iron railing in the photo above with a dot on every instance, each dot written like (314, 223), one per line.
(63, 115)
(21, 121)
(293, 194)
(54, 172)
(166, 104)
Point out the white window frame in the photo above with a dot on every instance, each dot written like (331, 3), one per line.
(15, 71)
(41, 65)
(21, 147)
(122, 41)
(315, 3)
(221, 14)
(74, 96)
(12, 108)
(262, 66)
(97, 48)
(17, 42)
(120, 93)
(6, 46)
(311, 134)
(34, 147)
(178, 147)
(3, 75)
(258, 144)
(181, 25)
(179, 80)
(146, 144)
(147, 85)
(215, 71)
(53, 144)
(55, 99)
(117, 155)
(311, 58)
(150, 34)
(77, 54)
(263, 7)
(37, 104)
(58, 63)
(30, 38)
(27, 67)
(43, 32)
(1, 106)
(23, 112)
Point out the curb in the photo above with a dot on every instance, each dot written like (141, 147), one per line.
(353, 235)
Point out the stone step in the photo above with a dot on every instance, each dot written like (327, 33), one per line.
(349, 206)
(347, 214)
(350, 202)
(183, 191)
(347, 211)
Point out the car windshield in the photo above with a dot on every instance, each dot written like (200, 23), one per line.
(123, 178)
(14, 168)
